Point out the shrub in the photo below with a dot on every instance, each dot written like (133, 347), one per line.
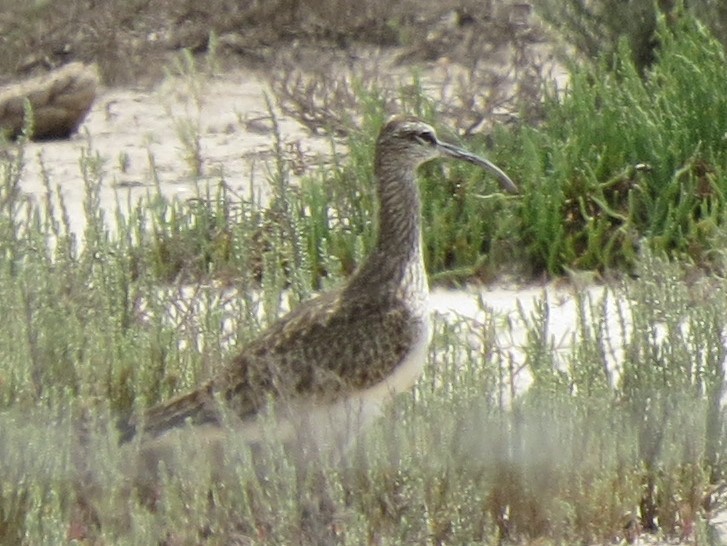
(621, 159)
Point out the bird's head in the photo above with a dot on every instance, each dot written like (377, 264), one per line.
(409, 142)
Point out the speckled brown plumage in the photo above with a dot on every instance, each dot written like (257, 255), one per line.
(280, 361)
(365, 341)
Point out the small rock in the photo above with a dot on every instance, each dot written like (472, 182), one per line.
(59, 100)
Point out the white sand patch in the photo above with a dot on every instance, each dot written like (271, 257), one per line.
(515, 310)
(136, 135)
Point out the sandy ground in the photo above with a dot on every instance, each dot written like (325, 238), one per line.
(137, 132)
(514, 309)
(137, 135)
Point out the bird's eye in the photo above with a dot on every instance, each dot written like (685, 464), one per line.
(426, 137)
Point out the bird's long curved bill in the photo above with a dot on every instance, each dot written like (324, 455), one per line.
(458, 153)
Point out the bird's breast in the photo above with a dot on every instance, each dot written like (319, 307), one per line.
(338, 425)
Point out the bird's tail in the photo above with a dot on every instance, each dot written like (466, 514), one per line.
(196, 408)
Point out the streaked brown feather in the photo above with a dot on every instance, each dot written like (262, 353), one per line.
(277, 364)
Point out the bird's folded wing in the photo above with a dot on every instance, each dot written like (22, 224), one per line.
(319, 352)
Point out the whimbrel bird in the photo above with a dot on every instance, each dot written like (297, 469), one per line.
(326, 368)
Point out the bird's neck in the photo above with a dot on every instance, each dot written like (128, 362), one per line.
(395, 265)
(399, 237)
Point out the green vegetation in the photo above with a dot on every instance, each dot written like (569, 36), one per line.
(619, 162)
(622, 424)
(96, 333)
(595, 29)
(622, 162)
